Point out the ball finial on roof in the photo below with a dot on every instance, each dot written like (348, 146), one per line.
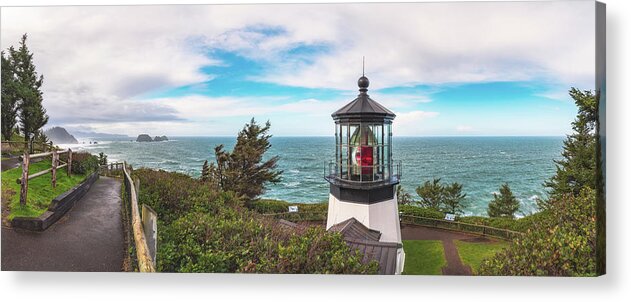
(363, 82)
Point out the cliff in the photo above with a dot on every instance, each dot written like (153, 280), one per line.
(59, 135)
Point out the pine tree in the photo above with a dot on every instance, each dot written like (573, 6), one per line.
(454, 199)
(503, 205)
(205, 172)
(9, 97)
(577, 169)
(32, 114)
(403, 197)
(431, 193)
(243, 170)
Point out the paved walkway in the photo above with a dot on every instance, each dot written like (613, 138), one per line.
(14, 162)
(9, 163)
(454, 264)
(88, 238)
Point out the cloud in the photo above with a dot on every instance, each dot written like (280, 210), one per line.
(464, 128)
(410, 123)
(100, 63)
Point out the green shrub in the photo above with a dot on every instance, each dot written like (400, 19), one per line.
(517, 225)
(84, 163)
(270, 206)
(202, 230)
(561, 243)
(421, 212)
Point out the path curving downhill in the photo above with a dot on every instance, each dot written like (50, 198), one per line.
(89, 238)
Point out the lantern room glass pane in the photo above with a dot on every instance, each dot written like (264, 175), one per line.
(378, 171)
(387, 151)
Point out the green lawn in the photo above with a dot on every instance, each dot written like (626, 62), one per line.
(472, 253)
(40, 190)
(423, 257)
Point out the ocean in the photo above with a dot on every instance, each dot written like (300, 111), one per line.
(480, 164)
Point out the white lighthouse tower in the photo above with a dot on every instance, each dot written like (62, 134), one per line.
(363, 177)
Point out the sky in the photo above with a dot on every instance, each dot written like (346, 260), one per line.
(475, 68)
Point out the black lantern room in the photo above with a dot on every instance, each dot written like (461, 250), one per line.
(363, 169)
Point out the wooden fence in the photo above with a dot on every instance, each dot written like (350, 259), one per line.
(146, 262)
(26, 159)
(112, 169)
(414, 220)
(460, 226)
(18, 147)
(299, 216)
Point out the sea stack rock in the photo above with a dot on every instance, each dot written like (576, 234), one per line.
(144, 138)
(161, 138)
(59, 135)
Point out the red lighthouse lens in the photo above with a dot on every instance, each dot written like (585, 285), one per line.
(365, 159)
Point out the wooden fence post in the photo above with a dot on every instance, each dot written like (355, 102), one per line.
(137, 187)
(24, 183)
(54, 171)
(69, 162)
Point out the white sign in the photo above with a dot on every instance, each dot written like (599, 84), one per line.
(450, 217)
(293, 209)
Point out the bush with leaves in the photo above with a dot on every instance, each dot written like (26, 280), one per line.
(84, 163)
(421, 212)
(561, 243)
(204, 230)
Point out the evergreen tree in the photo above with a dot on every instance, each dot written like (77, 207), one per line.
(403, 197)
(454, 199)
(431, 193)
(102, 159)
(32, 114)
(9, 97)
(577, 169)
(243, 170)
(205, 172)
(503, 205)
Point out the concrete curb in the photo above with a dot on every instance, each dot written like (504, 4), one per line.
(59, 206)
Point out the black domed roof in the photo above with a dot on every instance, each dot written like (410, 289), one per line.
(363, 107)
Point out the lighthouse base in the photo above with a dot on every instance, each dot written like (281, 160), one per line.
(381, 216)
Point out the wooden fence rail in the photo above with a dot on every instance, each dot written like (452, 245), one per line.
(145, 260)
(26, 160)
(460, 226)
(415, 220)
(18, 147)
(111, 167)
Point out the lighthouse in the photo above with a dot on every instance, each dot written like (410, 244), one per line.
(363, 178)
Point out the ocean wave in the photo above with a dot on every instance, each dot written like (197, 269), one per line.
(292, 184)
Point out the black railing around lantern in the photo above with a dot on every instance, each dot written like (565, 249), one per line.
(356, 176)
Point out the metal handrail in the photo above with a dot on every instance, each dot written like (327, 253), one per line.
(332, 173)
